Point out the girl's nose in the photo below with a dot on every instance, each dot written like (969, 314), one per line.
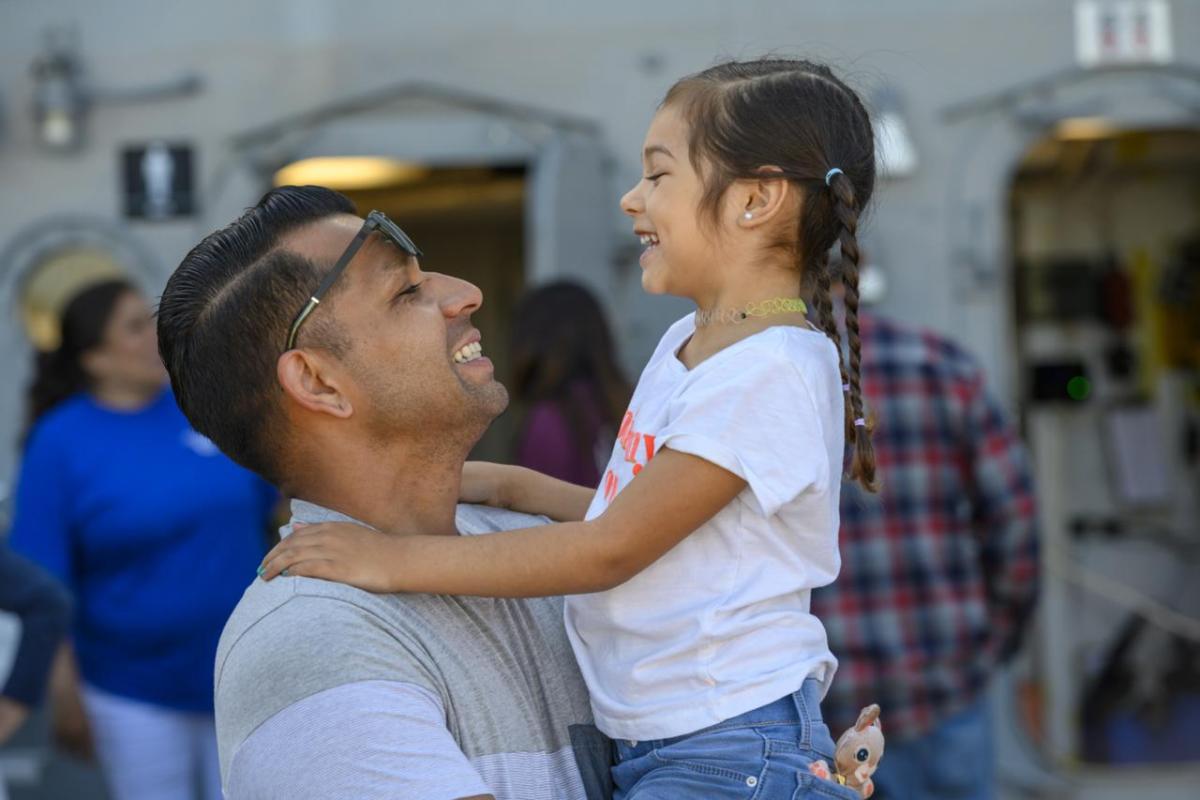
(631, 203)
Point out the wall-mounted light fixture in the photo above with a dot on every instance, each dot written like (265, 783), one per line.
(62, 97)
(350, 173)
(59, 102)
(1085, 129)
(895, 153)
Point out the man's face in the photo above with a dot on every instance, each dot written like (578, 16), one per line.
(406, 371)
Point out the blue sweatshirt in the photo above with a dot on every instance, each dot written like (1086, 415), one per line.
(156, 533)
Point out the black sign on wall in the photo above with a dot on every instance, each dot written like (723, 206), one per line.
(157, 181)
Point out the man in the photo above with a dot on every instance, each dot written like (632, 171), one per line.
(313, 349)
(939, 570)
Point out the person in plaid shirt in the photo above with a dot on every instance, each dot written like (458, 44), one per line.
(939, 570)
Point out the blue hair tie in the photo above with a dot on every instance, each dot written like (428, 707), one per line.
(831, 173)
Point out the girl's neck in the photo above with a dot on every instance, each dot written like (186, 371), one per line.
(732, 296)
(742, 277)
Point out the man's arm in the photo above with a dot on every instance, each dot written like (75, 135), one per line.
(1005, 516)
(372, 739)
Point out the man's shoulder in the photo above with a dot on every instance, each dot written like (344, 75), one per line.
(292, 638)
(473, 519)
(291, 624)
(888, 341)
(308, 630)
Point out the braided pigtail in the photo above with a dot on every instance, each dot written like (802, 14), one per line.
(862, 465)
(822, 303)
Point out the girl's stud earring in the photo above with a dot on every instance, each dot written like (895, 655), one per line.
(748, 215)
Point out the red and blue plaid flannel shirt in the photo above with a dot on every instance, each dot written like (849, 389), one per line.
(939, 570)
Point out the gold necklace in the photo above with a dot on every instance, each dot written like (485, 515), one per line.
(763, 308)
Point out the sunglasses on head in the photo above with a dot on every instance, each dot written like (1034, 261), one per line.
(376, 221)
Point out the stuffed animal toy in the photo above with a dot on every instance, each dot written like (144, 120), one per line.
(857, 754)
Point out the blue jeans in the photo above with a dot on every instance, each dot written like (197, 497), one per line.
(954, 761)
(760, 755)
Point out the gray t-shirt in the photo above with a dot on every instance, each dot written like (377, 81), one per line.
(324, 690)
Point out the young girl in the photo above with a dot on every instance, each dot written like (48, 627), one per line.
(690, 573)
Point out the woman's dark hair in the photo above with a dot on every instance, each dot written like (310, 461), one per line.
(799, 118)
(59, 373)
(561, 340)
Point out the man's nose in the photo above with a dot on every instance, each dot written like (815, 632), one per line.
(461, 297)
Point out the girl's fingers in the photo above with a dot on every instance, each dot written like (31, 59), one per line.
(300, 544)
(312, 568)
(282, 558)
(290, 544)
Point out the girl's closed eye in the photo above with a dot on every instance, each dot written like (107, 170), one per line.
(654, 178)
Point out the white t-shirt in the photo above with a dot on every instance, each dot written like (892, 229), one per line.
(720, 625)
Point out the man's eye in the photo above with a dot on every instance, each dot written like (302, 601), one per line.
(411, 290)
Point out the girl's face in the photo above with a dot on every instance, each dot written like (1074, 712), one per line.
(665, 207)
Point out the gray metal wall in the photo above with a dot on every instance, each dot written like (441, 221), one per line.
(940, 233)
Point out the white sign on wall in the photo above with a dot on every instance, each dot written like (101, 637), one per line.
(1122, 32)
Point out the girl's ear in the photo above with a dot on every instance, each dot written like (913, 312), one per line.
(762, 199)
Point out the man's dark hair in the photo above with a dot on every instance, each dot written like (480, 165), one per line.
(223, 321)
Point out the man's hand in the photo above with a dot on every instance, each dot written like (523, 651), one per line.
(337, 551)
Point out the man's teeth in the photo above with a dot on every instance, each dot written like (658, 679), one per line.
(649, 239)
(468, 353)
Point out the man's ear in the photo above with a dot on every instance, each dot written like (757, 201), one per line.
(308, 380)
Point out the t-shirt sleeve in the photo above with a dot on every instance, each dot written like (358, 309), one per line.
(374, 739)
(755, 417)
(40, 527)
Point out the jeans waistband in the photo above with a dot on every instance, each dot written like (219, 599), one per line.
(801, 707)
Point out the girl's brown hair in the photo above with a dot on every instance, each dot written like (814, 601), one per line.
(799, 118)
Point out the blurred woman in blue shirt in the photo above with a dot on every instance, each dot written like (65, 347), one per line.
(154, 531)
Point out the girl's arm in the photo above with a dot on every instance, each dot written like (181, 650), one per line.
(525, 490)
(674, 495)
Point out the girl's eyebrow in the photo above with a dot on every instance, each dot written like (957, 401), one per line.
(656, 148)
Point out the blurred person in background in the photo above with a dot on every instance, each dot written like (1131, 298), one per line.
(939, 570)
(566, 377)
(42, 612)
(152, 530)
